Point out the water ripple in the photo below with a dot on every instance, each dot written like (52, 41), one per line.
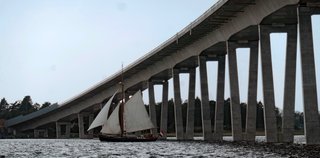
(95, 148)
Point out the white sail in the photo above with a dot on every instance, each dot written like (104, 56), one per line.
(102, 116)
(136, 117)
(112, 125)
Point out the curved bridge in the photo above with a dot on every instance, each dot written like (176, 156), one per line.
(214, 36)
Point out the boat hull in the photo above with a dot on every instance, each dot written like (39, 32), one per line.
(106, 138)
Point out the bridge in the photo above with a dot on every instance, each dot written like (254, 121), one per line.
(214, 36)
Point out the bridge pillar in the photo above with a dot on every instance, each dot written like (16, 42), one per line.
(82, 133)
(191, 100)
(289, 85)
(81, 126)
(205, 109)
(252, 92)
(14, 131)
(234, 93)
(311, 114)
(59, 133)
(177, 105)
(219, 112)
(152, 107)
(270, 122)
(40, 133)
(164, 110)
(36, 133)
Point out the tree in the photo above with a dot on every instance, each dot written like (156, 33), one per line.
(46, 104)
(171, 122)
(243, 108)
(197, 117)
(8, 111)
(13, 110)
(227, 115)
(26, 105)
(260, 116)
(16, 105)
(36, 106)
(3, 108)
(298, 120)
(3, 104)
(278, 118)
(212, 106)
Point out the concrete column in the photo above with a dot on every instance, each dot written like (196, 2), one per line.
(251, 118)
(152, 107)
(68, 130)
(14, 132)
(234, 93)
(270, 122)
(205, 109)
(191, 100)
(81, 126)
(219, 112)
(58, 130)
(46, 133)
(36, 133)
(311, 115)
(90, 132)
(164, 110)
(289, 85)
(82, 134)
(177, 105)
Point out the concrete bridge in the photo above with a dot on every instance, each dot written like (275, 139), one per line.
(214, 36)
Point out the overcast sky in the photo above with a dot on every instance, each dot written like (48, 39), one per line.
(53, 50)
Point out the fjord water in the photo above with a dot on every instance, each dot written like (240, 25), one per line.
(95, 148)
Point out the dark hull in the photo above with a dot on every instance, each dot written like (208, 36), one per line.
(106, 138)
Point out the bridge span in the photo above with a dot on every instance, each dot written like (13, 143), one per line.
(214, 36)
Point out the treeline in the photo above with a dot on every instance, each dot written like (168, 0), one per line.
(26, 106)
(299, 123)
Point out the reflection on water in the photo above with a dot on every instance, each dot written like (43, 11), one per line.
(95, 148)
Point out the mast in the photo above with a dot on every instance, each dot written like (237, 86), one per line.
(121, 110)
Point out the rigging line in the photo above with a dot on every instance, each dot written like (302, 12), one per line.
(122, 103)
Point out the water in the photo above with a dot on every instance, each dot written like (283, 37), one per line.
(95, 148)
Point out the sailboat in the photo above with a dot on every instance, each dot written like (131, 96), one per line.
(126, 118)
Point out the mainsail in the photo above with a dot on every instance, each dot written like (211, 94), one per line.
(135, 114)
(101, 117)
(136, 117)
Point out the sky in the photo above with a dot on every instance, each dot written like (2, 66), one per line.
(53, 50)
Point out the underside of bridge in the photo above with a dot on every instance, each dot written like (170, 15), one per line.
(214, 36)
